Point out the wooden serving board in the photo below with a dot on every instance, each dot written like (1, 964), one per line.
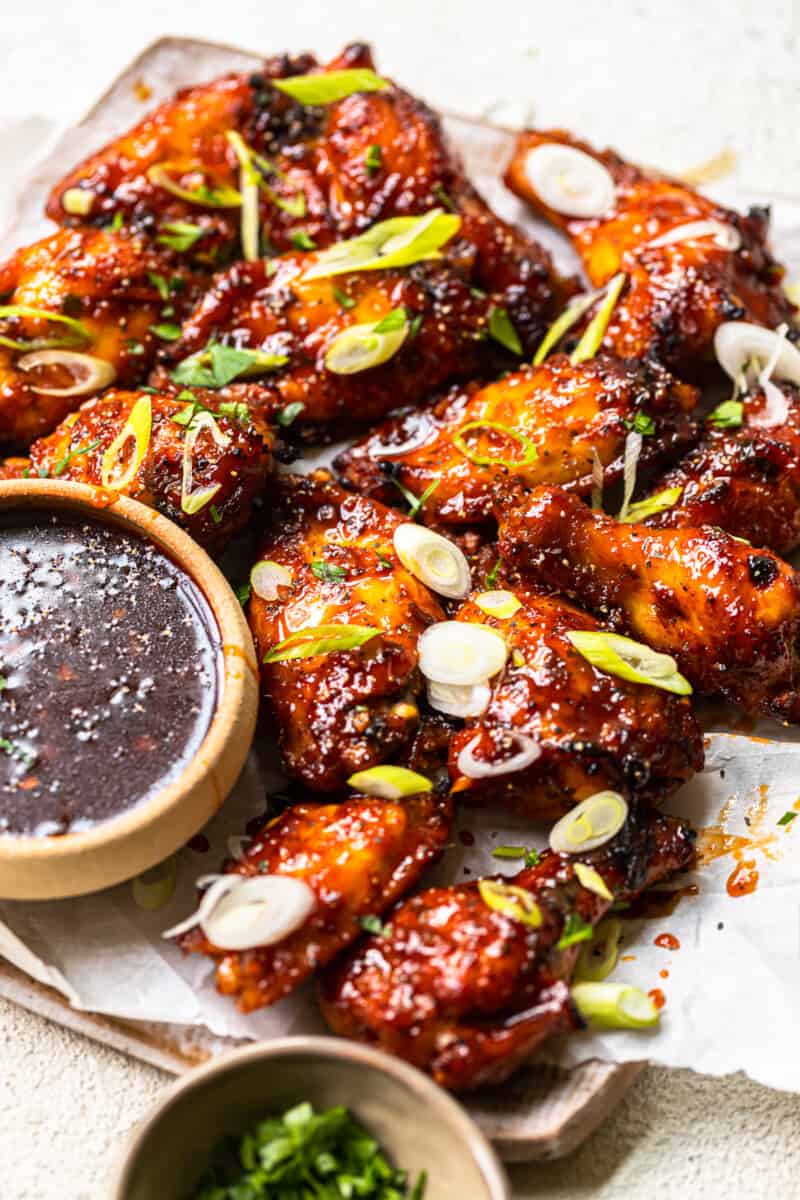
(544, 1112)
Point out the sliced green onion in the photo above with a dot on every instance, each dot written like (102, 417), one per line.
(461, 653)
(398, 242)
(328, 86)
(64, 463)
(628, 659)
(562, 324)
(652, 505)
(181, 235)
(514, 902)
(192, 501)
(91, 374)
(114, 473)
(727, 415)
(592, 823)
(416, 503)
(592, 880)
(614, 1006)
(499, 604)
(361, 347)
(502, 330)
(489, 460)
(598, 478)
(77, 201)
(250, 232)
(433, 559)
(575, 930)
(390, 783)
(77, 333)
(209, 197)
(267, 578)
(598, 959)
(633, 450)
(321, 639)
(595, 331)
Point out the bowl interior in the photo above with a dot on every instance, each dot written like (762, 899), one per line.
(418, 1126)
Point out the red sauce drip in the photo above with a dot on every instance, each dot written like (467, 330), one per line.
(743, 879)
(199, 843)
(466, 838)
(658, 997)
(664, 974)
(667, 941)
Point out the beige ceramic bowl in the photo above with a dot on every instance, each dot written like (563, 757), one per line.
(419, 1126)
(48, 868)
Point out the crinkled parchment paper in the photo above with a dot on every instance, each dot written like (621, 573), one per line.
(732, 989)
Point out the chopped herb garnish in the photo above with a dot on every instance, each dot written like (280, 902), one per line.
(414, 326)
(415, 503)
(575, 930)
(289, 414)
(305, 1155)
(491, 578)
(219, 365)
(728, 415)
(443, 198)
(167, 331)
(159, 283)
(303, 240)
(327, 572)
(243, 592)
(384, 561)
(117, 221)
(531, 857)
(62, 465)
(134, 347)
(372, 158)
(181, 235)
(216, 515)
(393, 321)
(342, 299)
(641, 423)
(373, 924)
(150, 391)
(787, 818)
(503, 331)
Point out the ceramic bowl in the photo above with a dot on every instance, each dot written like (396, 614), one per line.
(36, 868)
(419, 1126)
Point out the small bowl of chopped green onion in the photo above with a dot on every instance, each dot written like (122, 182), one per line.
(309, 1118)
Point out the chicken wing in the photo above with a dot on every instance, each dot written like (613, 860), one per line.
(678, 291)
(468, 993)
(358, 856)
(537, 425)
(336, 169)
(745, 480)
(593, 730)
(113, 291)
(270, 306)
(728, 614)
(342, 709)
(228, 456)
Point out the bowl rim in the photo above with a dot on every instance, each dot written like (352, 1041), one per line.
(216, 764)
(333, 1050)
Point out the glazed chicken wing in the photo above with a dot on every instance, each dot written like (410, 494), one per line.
(113, 291)
(536, 425)
(728, 614)
(348, 706)
(745, 480)
(270, 306)
(593, 730)
(678, 292)
(229, 458)
(329, 172)
(358, 856)
(467, 993)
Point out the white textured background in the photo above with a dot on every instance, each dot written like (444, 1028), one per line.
(668, 83)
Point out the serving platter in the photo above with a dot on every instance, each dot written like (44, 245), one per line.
(544, 1112)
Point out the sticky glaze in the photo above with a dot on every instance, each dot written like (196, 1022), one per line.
(111, 662)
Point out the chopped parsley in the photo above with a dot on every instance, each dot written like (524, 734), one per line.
(181, 235)
(302, 240)
(133, 346)
(575, 930)
(342, 299)
(327, 572)
(503, 331)
(159, 283)
(641, 423)
(289, 414)
(219, 365)
(166, 331)
(117, 221)
(372, 159)
(374, 925)
(728, 415)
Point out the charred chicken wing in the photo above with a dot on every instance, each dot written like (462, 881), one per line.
(684, 275)
(593, 730)
(105, 296)
(537, 425)
(468, 993)
(358, 856)
(200, 468)
(268, 306)
(353, 614)
(745, 480)
(727, 613)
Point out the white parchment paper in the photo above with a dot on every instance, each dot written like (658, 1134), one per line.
(732, 989)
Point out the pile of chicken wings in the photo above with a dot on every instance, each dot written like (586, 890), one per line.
(213, 300)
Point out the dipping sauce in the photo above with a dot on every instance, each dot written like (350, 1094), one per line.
(110, 668)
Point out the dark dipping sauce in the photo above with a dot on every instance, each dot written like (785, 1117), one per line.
(110, 663)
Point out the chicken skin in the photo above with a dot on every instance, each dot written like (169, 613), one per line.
(270, 306)
(228, 454)
(728, 614)
(536, 425)
(338, 168)
(346, 709)
(467, 993)
(359, 856)
(594, 730)
(112, 289)
(744, 480)
(679, 292)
